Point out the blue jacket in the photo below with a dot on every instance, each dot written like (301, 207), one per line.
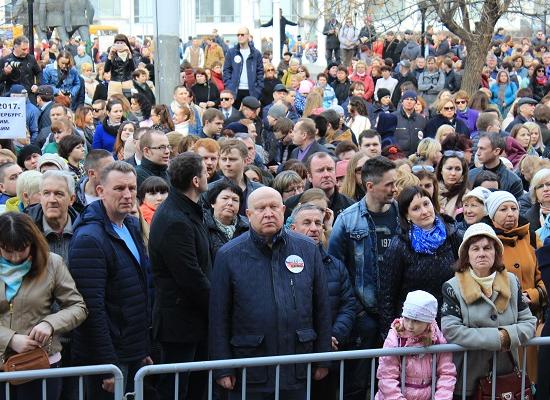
(509, 94)
(342, 300)
(258, 307)
(233, 66)
(71, 83)
(33, 114)
(104, 136)
(115, 288)
(353, 241)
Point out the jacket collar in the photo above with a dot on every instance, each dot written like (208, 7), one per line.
(260, 241)
(471, 291)
(154, 168)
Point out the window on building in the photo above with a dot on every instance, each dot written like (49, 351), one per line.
(106, 8)
(217, 10)
(143, 11)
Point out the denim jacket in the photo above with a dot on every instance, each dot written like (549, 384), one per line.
(353, 241)
(70, 84)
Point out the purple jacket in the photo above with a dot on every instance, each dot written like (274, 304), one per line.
(469, 116)
(418, 384)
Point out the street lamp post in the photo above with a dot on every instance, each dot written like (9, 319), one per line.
(30, 33)
(423, 7)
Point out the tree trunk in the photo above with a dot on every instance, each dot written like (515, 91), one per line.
(477, 54)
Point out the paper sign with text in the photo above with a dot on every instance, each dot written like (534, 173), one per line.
(13, 116)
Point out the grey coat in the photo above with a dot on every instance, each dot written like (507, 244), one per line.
(472, 320)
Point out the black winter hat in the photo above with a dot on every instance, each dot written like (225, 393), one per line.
(26, 152)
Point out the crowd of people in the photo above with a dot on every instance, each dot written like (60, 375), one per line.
(265, 211)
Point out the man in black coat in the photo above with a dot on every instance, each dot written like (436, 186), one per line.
(20, 67)
(303, 136)
(283, 23)
(181, 264)
(156, 155)
(390, 49)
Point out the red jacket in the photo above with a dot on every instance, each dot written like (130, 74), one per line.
(367, 81)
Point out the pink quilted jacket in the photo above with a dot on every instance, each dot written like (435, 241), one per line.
(418, 384)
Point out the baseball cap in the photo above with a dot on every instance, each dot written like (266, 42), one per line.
(280, 88)
(46, 90)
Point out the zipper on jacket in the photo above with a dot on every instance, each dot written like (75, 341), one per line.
(293, 292)
(11, 312)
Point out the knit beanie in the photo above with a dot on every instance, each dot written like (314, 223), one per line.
(26, 152)
(420, 306)
(495, 199)
(382, 92)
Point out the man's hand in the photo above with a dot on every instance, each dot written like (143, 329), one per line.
(320, 373)
(334, 343)
(8, 69)
(227, 382)
(109, 385)
(34, 88)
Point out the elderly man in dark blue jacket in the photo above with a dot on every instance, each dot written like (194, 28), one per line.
(243, 70)
(269, 297)
(109, 264)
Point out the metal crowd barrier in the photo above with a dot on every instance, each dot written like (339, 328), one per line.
(308, 359)
(81, 372)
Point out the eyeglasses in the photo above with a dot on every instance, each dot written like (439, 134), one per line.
(449, 108)
(453, 153)
(225, 98)
(162, 147)
(241, 34)
(97, 109)
(540, 70)
(294, 189)
(417, 168)
(460, 101)
(545, 185)
(270, 70)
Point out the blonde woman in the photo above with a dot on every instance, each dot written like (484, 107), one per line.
(404, 179)
(352, 186)
(536, 137)
(313, 102)
(90, 83)
(428, 152)
(443, 131)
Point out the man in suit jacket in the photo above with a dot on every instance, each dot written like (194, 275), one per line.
(181, 266)
(303, 136)
(230, 113)
(44, 101)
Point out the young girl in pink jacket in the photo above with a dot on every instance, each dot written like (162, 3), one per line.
(416, 328)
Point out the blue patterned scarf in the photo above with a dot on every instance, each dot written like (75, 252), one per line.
(427, 242)
(544, 230)
(12, 275)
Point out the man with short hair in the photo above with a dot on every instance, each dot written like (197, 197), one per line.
(54, 215)
(183, 97)
(233, 155)
(135, 160)
(44, 101)
(250, 146)
(9, 172)
(209, 150)
(212, 124)
(243, 70)
(525, 112)
(57, 113)
(86, 190)
(99, 111)
(303, 136)
(359, 239)
(370, 143)
(322, 175)
(20, 67)
(109, 263)
(156, 155)
(431, 81)
(272, 281)
(410, 125)
(489, 149)
(230, 113)
(181, 265)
